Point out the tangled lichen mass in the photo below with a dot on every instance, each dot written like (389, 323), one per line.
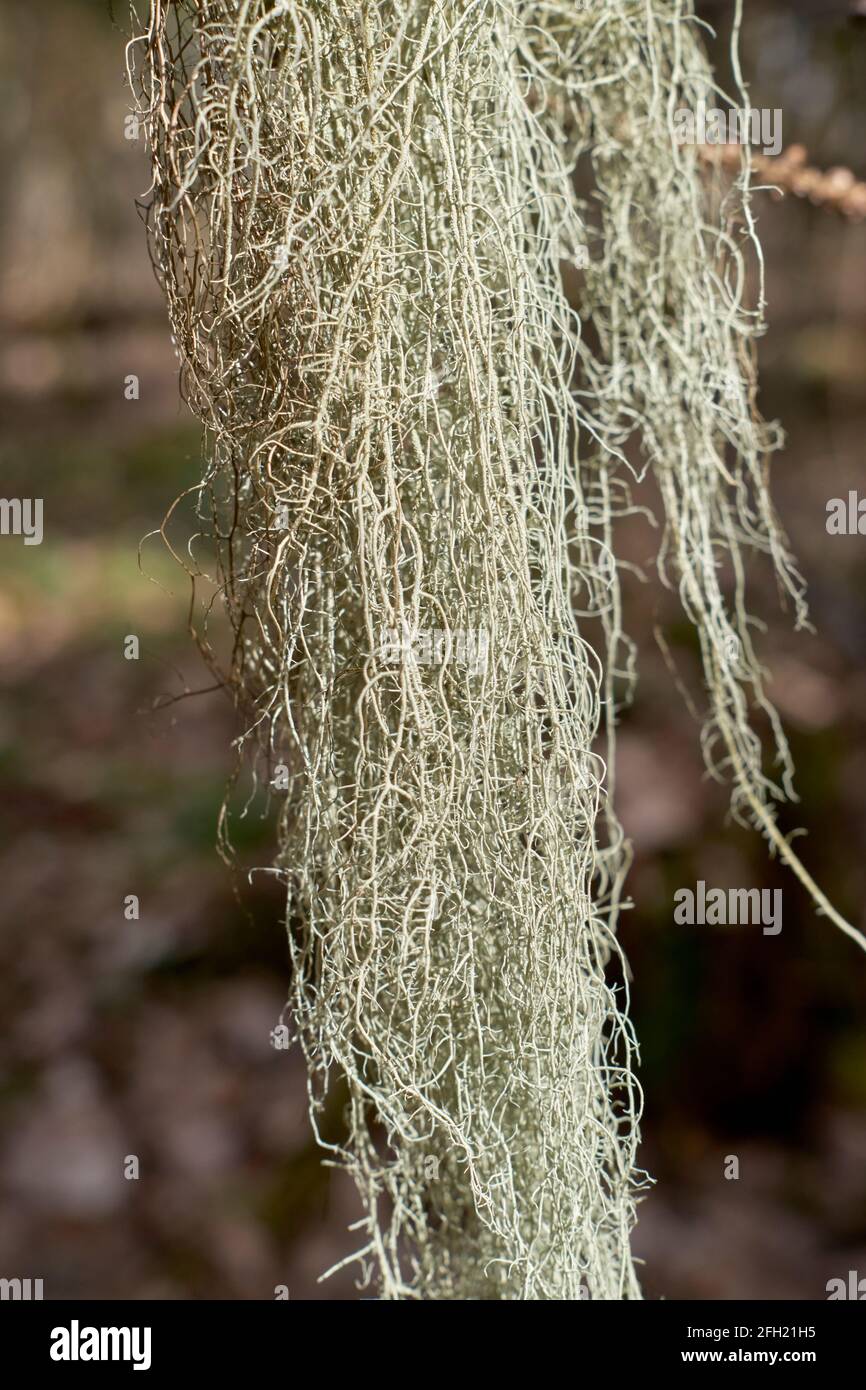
(360, 215)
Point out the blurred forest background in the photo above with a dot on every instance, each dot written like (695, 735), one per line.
(152, 1037)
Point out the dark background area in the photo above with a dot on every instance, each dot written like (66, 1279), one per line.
(152, 1037)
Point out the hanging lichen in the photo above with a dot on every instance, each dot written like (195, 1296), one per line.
(415, 464)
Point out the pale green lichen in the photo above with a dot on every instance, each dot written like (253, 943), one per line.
(359, 216)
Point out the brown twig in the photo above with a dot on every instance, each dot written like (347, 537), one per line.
(788, 172)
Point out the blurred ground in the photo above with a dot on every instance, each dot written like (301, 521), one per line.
(151, 1037)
